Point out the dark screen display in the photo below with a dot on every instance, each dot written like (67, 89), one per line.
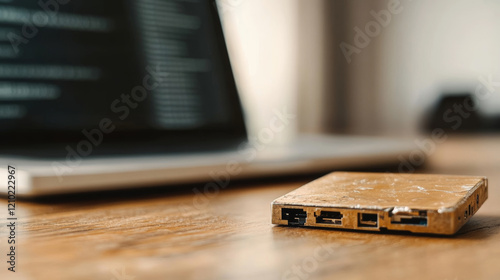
(155, 68)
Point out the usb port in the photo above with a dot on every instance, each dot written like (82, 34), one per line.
(367, 220)
(409, 220)
(415, 217)
(329, 217)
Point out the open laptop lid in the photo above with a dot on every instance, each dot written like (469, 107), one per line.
(115, 71)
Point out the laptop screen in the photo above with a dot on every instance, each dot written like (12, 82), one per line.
(135, 69)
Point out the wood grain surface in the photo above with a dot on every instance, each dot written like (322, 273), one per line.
(227, 234)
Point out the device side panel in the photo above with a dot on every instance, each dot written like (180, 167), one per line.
(470, 205)
(417, 221)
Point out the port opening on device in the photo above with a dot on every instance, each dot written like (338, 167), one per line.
(409, 220)
(329, 217)
(367, 220)
(295, 217)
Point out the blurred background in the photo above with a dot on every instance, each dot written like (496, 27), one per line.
(367, 67)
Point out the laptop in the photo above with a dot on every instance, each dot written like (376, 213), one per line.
(101, 95)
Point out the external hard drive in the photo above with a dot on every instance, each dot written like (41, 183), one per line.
(437, 204)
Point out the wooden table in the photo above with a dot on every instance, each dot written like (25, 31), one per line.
(177, 235)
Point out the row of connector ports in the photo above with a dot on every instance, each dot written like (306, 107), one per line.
(298, 217)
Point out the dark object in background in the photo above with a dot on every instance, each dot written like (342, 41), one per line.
(458, 113)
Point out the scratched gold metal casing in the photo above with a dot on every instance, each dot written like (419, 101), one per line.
(420, 203)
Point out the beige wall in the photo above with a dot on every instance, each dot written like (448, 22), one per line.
(262, 38)
(286, 53)
(315, 63)
(429, 47)
(278, 51)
